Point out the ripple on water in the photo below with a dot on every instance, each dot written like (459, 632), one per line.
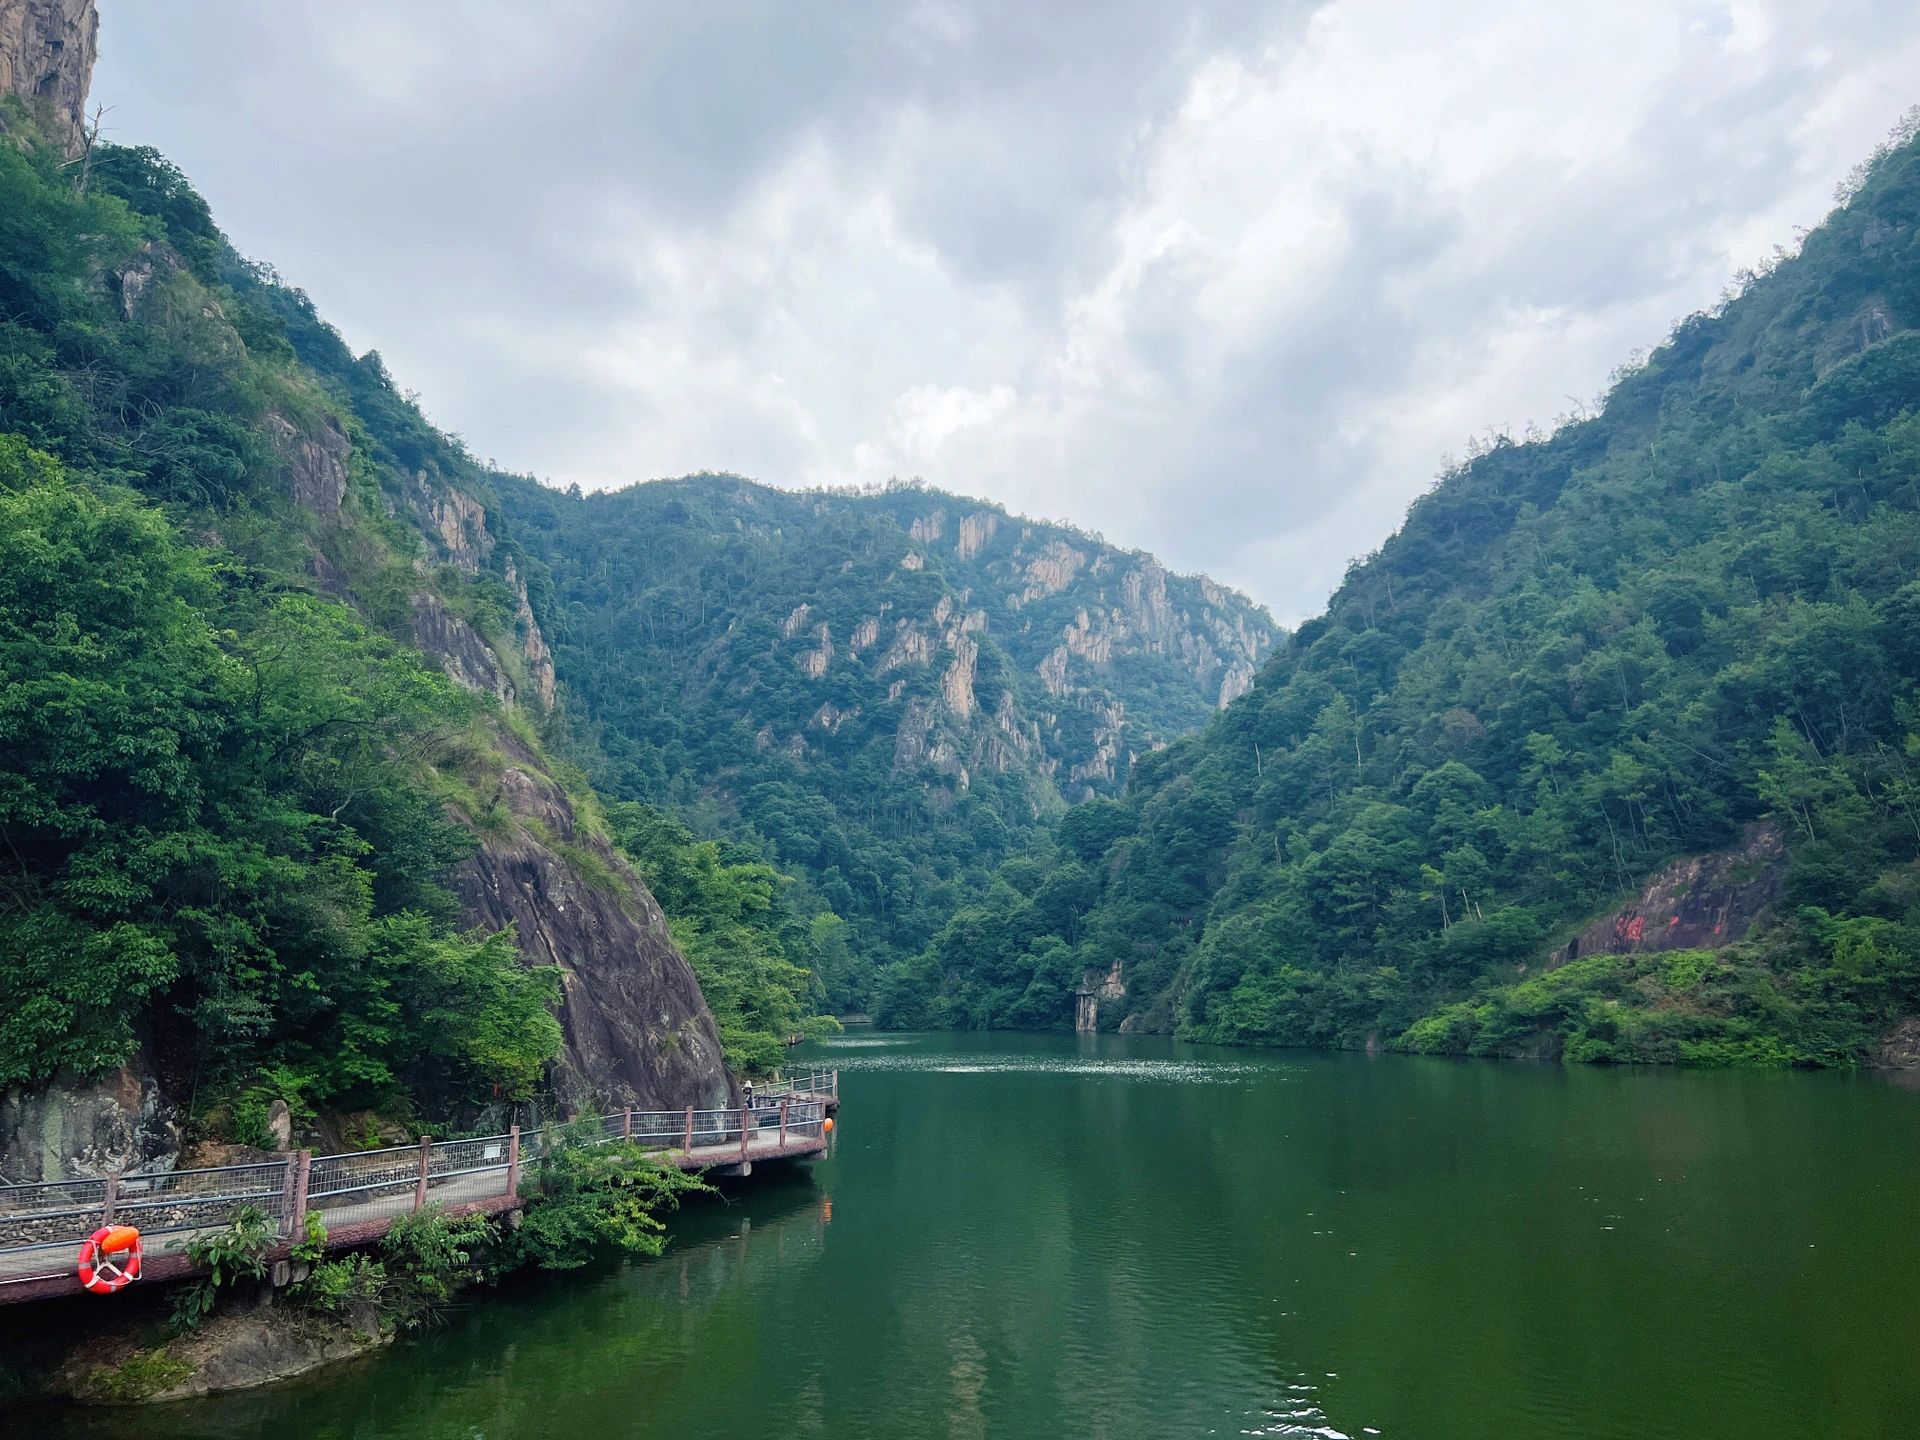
(865, 1042)
(1183, 1072)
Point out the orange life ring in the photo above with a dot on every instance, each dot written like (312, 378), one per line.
(109, 1259)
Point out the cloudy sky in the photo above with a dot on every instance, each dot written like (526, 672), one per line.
(1221, 280)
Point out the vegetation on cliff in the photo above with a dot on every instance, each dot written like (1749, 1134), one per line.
(884, 693)
(1582, 654)
(233, 791)
(216, 796)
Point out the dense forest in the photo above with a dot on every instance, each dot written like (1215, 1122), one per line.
(232, 788)
(885, 694)
(903, 751)
(1582, 655)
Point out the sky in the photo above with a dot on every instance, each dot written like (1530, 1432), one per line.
(1227, 281)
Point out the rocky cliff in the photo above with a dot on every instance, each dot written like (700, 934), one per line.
(47, 49)
(1700, 902)
(981, 642)
(638, 1031)
(393, 521)
(83, 1125)
(1076, 607)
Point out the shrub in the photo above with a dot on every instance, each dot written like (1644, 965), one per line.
(434, 1252)
(235, 1252)
(337, 1287)
(594, 1198)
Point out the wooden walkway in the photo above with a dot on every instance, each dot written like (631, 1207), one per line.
(359, 1195)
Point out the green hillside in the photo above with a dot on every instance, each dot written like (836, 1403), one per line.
(240, 576)
(1580, 657)
(885, 693)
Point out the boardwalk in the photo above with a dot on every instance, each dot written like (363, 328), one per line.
(359, 1195)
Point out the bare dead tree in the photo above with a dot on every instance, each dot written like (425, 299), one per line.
(89, 136)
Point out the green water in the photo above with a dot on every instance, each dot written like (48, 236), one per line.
(1118, 1237)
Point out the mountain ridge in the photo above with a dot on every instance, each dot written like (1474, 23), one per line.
(1581, 658)
(938, 674)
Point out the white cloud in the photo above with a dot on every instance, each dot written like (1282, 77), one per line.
(1225, 282)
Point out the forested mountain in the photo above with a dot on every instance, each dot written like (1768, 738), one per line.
(885, 692)
(1689, 622)
(278, 818)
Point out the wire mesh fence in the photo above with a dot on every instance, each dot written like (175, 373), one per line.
(42, 1225)
(171, 1201)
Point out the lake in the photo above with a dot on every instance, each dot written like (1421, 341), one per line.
(1118, 1236)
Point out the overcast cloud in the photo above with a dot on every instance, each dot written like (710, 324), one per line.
(1225, 280)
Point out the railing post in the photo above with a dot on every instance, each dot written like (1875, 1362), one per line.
(302, 1172)
(746, 1128)
(688, 1147)
(420, 1185)
(513, 1162)
(289, 1217)
(626, 1123)
(783, 1124)
(110, 1200)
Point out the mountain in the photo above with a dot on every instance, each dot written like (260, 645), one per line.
(885, 691)
(279, 816)
(1613, 751)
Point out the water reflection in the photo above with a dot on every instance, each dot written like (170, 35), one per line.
(1107, 1236)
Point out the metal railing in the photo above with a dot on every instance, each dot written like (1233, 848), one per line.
(818, 1081)
(42, 1224)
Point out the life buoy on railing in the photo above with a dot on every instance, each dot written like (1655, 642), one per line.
(109, 1259)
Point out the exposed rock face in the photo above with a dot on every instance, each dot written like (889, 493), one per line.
(911, 646)
(1901, 1049)
(84, 1129)
(330, 578)
(453, 519)
(235, 1349)
(1103, 764)
(1699, 903)
(816, 660)
(919, 742)
(830, 717)
(638, 1031)
(455, 524)
(956, 685)
(975, 531)
(47, 50)
(533, 645)
(459, 648)
(1096, 988)
(1052, 570)
(133, 279)
(1236, 682)
(316, 462)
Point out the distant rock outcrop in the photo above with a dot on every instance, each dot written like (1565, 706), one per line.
(316, 460)
(47, 50)
(461, 650)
